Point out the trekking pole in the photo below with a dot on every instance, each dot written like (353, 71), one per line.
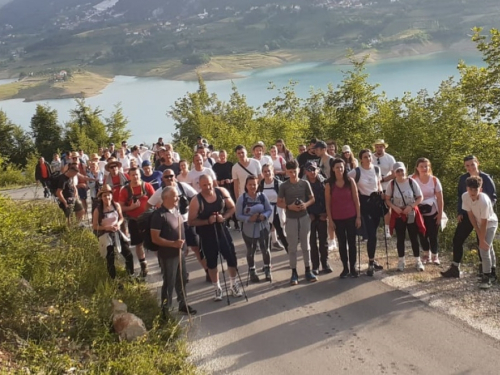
(221, 260)
(385, 240)
(180, 221)
(359, 255)
(237, 272)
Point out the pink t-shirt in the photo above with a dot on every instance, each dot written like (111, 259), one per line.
(341, 204)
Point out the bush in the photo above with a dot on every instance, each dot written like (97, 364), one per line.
(56, 301)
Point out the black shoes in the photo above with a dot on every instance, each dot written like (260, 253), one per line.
(453, 271)
(371, 270)
(267, 273)
(327, 268)
(186, 309)
(254, 278)
(344, 273)
(377, 266)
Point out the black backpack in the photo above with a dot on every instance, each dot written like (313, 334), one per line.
(358, 173)
(53, 182)
(144, 225)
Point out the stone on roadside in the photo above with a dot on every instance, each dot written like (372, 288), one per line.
(128, 326)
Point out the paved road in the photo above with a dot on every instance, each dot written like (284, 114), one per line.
(334, 326)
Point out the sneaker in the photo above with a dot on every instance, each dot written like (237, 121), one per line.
(144, 269)
(315, 271)
(354, 274)
(267, 273)
(453, 271)
(371, 270)
(493, 274)
(419, 265)
(327, 268)
(401, 264)
(218, 294)
(186, 309)
(277, 246)
(485, 282)
(254, 278)
(235, 290)
(426, 258)
(388, 233)
(311, 277)
(435, 259)
(344, 273)
(377, 266)
(294, 280)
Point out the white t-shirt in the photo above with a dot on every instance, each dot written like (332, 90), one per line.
(429, 191)
(180, 178)
(277, 164)
(193, 177)
(481, 208)
(409, 194)
(238, 173)
(264, 160)
(155, 199)
(385, 163)
(368, 180)
(137, 158)
(125, 163)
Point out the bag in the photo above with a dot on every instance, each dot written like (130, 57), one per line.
(411, 217)
(53, 182)
(183, 200)
(144, 225)
(425, 209)
(358, 173)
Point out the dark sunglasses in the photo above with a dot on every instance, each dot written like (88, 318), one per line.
(169, 176)
(378, 161)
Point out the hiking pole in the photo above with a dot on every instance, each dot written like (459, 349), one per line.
(385, 240)
(180, 221)
(359, 255)
(237, 272)
(221, 260)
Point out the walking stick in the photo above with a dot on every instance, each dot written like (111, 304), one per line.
(385, 240)
(180, 221)
(221, 260)
(359, 256)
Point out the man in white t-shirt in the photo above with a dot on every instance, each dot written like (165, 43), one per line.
(485, 222)
(193, 177)
(243, 168)
(207, 161)
(385, 162)
(258, 154)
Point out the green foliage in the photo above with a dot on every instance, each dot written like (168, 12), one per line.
(15, 144)
(196, 59)
(56, 295)
(46, 131)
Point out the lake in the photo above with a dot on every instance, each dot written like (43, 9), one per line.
(145, 101)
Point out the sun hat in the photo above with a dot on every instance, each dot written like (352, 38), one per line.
(105, 189)
(380, 142)
(398, 165)
(346, 148)
(258, 144)
(75, 154)
(111, 163)
(94, 156)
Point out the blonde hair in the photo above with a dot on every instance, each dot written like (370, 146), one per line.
(422, 160)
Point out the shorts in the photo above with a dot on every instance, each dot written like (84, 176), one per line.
(75, 206)
(223, 243)
(135, 234)
(191, 236)
(82, 193)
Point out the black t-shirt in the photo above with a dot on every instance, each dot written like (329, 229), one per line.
(224, 172)
(65, 183)
(303, 158)
(175, 167)
(167, 222)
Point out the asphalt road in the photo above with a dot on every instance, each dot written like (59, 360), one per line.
(333, 326)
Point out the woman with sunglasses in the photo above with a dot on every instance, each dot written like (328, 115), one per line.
(283, 151)
(431, 209)
(403, 195)
(464, 227)
(370, 200)
(350, 161)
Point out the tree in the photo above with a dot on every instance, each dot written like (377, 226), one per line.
(116, 126)
(86, 129)
(47, 133)
(15, 144)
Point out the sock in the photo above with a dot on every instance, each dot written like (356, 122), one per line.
(387, 228)
(216, 285)
(232, 281)
(143, 260)
(274, 238)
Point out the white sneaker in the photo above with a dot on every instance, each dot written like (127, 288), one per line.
(401, 264)
(218, 294)
(332, 245)
(420, 265)
(435, 259)
(388, 233)
(235, 290)
(278, 246)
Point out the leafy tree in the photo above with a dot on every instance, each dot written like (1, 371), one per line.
(86, 129)
(116, 126)
(15, 144)
(47, 133)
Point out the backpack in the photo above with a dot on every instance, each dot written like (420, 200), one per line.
(53, 182)
(358, 173)
(144, 225)
(277, 183)
(219, 196)
(131, 193)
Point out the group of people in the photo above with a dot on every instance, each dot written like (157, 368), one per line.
(279, 201)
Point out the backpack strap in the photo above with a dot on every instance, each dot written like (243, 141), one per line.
(377, 170)
(358, 174)
(410, 180)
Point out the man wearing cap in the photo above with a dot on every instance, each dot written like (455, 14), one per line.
(325, 161)
(115, 178)
(258, 154)
(148, 175)
(134, 199)
(317, 214)
(385, 162)
(310, 154)
(243, 168)
(67, 194)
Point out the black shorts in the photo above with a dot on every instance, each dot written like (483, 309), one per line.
(222, 243)
(191, 236)
(135, 234)
(82, 193)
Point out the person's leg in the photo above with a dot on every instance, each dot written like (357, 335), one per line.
(169, 267)
(351, 240)
(110, 260)
(250, 244)
(413, 234)
(400, 228)
(313, 243)
(464, 229)
(322, 228)
(372, 222)
(432, 232)
(127, 254)
(304, 233)
(424, 238)
(292, 232)
(180, 281)
(264, 247)
(488, 255)
(340, 231)
(279, 231)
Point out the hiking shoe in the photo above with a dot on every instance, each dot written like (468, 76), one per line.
(235, 290)
(315, 271)
(344, 273)
(144, 269)
(371, 270)
(493, 274)
(267, 273)
(218, 294)
(453, 271)
(401, 264)
(426, 258)
(311, 277)
(186, 309)
(327, 268)
(388, 233)
(277, 246)
(354, 274)
(485, 282)
(435, 259)
(294, 280)
(377, 266)
(254, 278)
(420, 267)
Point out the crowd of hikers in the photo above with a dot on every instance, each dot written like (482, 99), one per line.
(322, 198)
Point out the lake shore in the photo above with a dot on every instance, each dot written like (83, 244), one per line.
(90, 83)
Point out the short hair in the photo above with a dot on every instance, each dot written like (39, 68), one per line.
(205, 176)
(239, 147)
(249, 177)
(133, 169)
(474, 182)
(166, 190)
(292, 164)
(471, 157)
(266, 165)
(135, 148)
(224, 151)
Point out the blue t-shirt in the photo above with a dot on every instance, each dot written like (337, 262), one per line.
(154, 179)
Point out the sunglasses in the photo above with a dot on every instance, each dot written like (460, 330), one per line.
(378, 161)
(169, 176)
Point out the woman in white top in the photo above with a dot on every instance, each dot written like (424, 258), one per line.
(184, 168)
(124, 159)
(278, 163)
(367, 178)
(403, 195)
(431, 209)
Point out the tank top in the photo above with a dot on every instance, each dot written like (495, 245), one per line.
(208, 210)
(341, 203)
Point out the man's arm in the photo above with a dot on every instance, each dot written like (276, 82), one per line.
(193, 219)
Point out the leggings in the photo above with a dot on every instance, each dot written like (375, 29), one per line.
(401, 227)
(429, 241)
(279, 229)
(464, 229)
(126, 253)
(319, 233)
(251, 244)
(346, 234)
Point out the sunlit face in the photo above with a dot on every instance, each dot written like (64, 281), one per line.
(331, 149)
(168, 157)
(202, 152)
(471, 166)
(222, 156)
(198, 161)
(400, 173)
(93, 167)
(135, 176)
(366, 158)
(279, 145)
(206, 184)
(302, 149)
(267, 172)
(257, 152)
(56, 157)
(107, 198)
(241, 154)
(473, 192)
(423, 168)
(339, 169)
(147, 170)
(183, 166)
(313, 173)
(168, 177)
(251, 186)
(114, 170)
(107, 155)
(273, 151)
(320, 151)
(171, 199)
(292, 173)
(380, 150)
